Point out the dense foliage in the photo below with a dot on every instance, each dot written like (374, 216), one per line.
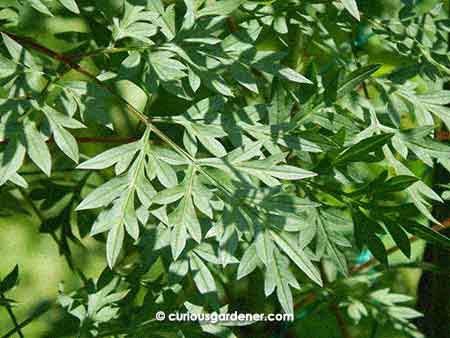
(230, 154)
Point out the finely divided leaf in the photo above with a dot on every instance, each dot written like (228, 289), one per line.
(109, 157)
(297, 255)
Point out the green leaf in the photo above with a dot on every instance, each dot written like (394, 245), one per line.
(224, 7)
(356, 78)
(213, 146)
(227, 246)
(403, 312)
(64, 140)
(7, 67)
(10, 280)
(105, 194)
(292, 75)
(249, 262)
(399, 236)
(178, 238)
(418, 190)
(352, 7)
(71, 5)
(166, 67)
(37, 148)
(397, 183)
(19, 54)
(289, 172)
(136, 23)
(169, 195)
(166, 19)
(280, 277)
(130, 218)
(11, 159)
(441, 97)
(356, 310)
(330, 241)
(426, 233)
(280, 110)
(359, 150)
(264, 246)
(384, 296)
(377, 248)
(166, 174)
(19, 180)
(109, 157)
(267, 170)
(185, 214)
(39, 5)
(189, 16)
(297, 255)
(114, 243)
(202, 276)
(242, 74)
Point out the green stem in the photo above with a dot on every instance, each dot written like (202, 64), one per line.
(110, 50)
(105, 139)
(12, 315)
(374, 330)
(26, 322)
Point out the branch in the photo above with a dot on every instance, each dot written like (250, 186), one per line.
(27, 321)
(75, 66)
(113, 50)
(12, 316)
(334, 307)
(311, 297)
(340, 320)
(232, 24)
(443, 135)
(373, 260)
(105, 139)
(142, 117)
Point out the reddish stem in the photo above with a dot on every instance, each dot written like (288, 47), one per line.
(373, 261)
(443, 135)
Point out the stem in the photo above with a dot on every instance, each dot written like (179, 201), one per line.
(105, 139)
(358, 63)
(334, 307)
(26, 322)
(373, 261)
(112, 50)
(12, 316)
(69, 62)
(311, 297)
(342, 324)
(232, 24)
(442, 135)
(374, 329)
